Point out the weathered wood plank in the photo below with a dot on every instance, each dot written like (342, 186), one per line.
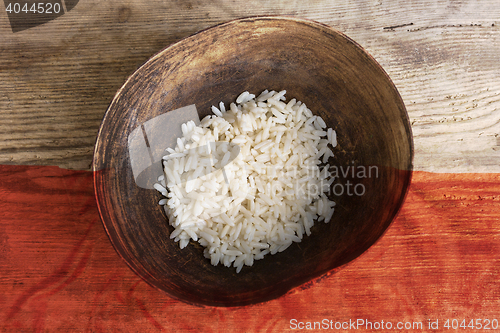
(56, 80)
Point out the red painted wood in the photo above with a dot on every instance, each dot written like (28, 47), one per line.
(58, 271)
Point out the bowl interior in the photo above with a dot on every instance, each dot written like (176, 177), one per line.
(326, 70)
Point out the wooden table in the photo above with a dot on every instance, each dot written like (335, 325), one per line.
(439, 261)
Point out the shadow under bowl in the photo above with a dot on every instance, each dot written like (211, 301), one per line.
(315, 64)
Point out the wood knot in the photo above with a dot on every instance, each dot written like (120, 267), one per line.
(124, 14)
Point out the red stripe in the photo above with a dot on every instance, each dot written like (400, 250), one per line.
(440, 259)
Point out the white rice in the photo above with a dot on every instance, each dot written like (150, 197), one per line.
(265, 198)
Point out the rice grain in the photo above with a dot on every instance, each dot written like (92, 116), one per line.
(264, 199)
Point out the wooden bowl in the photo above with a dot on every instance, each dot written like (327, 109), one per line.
(317, 65)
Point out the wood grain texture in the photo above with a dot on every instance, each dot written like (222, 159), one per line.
(56, 80)
(439, 260)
